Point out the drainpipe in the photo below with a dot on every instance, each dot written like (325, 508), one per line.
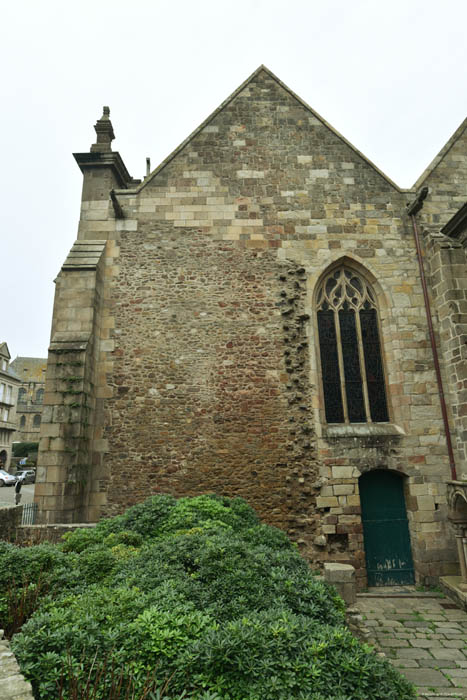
(412, 210)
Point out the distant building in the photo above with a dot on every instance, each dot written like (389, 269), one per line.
(31, 372)
(9, 383)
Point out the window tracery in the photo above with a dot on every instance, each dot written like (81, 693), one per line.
(351, 362)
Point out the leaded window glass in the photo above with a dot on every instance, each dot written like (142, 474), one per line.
(351, 363)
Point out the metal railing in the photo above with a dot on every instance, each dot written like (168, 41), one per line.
(29, 514)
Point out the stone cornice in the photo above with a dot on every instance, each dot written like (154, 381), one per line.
(108, 159)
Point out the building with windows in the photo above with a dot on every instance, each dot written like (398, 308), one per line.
(31, 371)
(9, 383)
(250, 319)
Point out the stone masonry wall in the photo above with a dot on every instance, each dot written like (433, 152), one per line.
(266, 186)
(10, 520)
(449, 287)
(206, 365)
(446, 179)
(207, 374)
(67, 462)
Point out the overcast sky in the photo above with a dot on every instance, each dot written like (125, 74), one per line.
(390, 75)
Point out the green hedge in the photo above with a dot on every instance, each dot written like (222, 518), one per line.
(196, 591)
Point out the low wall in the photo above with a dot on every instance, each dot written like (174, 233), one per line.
(35, 534)
(10, 521)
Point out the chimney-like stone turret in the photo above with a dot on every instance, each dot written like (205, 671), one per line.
(105, 133)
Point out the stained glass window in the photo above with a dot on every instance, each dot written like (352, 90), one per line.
(351, 363)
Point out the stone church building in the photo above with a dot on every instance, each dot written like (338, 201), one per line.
(250, 320)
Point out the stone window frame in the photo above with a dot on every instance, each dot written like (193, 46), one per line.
(22, 422)
(37, 420)
(346, 428)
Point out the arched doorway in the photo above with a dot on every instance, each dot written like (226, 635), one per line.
(3, 458)
(385, 529)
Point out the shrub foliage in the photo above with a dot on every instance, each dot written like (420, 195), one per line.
(191, 597)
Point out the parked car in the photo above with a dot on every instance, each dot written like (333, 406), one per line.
(27, 476)
(7, 479)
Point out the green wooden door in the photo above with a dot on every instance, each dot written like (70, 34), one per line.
(385, 529)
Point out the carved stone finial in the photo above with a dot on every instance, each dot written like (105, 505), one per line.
(105, 133)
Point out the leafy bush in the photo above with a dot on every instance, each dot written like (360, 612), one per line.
(93, 624)
(27, 575)
(276, 655)
(195, 597)
(230, 577)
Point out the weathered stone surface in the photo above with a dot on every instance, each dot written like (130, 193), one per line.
(423, 659)
(13, 686)
(426, 677)
(193, 339)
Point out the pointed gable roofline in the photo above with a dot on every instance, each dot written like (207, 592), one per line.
(443, 152)
(4, 351)
(226, 102)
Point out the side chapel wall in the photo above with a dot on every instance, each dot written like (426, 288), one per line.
(206, 369)
(235, 213)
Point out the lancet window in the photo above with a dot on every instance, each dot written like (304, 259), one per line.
(350, 349)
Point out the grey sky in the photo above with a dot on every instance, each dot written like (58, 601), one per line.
(389, 75)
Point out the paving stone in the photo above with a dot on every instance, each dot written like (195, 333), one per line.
(451, 694)
(441, 664)
(425, 643)
(452, 654)
(435, 656)
(406, 663)
(429, 677)
(413, 653)
(393, 623)
(393, 642)
(448, 630)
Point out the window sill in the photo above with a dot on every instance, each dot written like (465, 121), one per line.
(345, 430)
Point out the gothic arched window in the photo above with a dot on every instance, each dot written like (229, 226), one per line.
(22, 422)
(351, 362)
(37, 421)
